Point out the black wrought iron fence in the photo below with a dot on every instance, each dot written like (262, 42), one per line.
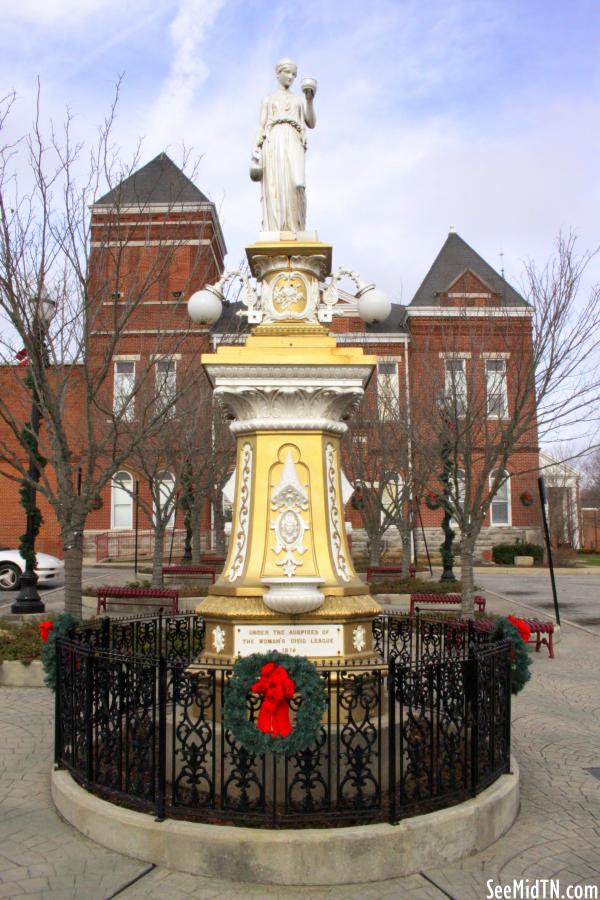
(138, 722)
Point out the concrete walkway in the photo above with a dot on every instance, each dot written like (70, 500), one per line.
(556, 737)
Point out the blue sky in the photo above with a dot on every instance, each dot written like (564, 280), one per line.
(481, 115)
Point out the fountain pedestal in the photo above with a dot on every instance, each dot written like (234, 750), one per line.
(289, 583)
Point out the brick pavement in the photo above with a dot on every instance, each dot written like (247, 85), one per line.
(556, 737)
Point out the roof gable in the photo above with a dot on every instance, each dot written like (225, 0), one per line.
(159, 181)
(459, 269)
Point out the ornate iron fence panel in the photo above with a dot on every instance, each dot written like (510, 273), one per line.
(138, 721)
(491, 712)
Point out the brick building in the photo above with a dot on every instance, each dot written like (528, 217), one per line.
(464, 320)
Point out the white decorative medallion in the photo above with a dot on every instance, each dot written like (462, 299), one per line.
(335, 524)
(218, 638)
(240, 533)
(359, 638)
(289, 498)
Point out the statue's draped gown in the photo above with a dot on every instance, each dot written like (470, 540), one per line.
(283, 148)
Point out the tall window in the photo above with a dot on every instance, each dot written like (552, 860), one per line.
(455, 377)
(166, 385)
(166, 495)
(122, 500)
(388, 390)
(123, 402)
(500, 506)
(391, 496)
(495, 377)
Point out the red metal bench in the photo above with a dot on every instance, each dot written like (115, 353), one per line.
(389, 570)
(191, 570)
(449, 599)
(542, 631)
(137, 596)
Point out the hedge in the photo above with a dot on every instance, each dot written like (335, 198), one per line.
(504, 554)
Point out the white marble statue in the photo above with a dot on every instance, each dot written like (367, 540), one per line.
(279, 148)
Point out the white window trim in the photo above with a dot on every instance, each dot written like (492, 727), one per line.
(443, 355)
(451, 395)
(507, 524)
(127, 410)
(491, 415)
(498, 355)
(112, 502)
(126, 357)
(393, 361)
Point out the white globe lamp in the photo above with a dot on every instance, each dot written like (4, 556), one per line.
(373, 304)
(206, 306)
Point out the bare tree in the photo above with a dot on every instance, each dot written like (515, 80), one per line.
(539, 379)
(48, 183)
(380, 463)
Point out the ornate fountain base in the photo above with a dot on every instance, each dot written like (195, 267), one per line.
(339, 631)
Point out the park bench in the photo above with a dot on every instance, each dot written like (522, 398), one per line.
(186, 571)
(418, 600)
(543, 632)
(137, 596)
(389, 570)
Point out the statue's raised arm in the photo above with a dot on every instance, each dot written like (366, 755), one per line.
(279, 148)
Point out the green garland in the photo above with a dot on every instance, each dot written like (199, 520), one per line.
(29, 442)
(310, 712)
(62, 625)
(520, 661)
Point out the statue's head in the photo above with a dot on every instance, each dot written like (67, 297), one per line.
(286, 70)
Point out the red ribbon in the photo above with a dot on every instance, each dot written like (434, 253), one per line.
(45, 628)
(522, 627)
(278, 689)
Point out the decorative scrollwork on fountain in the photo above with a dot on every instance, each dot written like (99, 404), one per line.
(240, 534)
(335, 525)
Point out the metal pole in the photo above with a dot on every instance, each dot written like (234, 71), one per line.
(542, 490)
(28, 599)
(137, 509)
(424, 538)
(173, 531)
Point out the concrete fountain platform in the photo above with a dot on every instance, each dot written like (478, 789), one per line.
(309, 856)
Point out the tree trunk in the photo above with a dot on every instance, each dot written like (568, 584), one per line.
(73, 549)
(195, 518)
(467, 546)
(375, 547)
(406, 551)
(219, 521)
(157, 556)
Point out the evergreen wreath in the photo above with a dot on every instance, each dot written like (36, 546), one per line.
(60, 624)
(520, 659)
(246, 671)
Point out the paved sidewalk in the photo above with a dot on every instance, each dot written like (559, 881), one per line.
(556, 738)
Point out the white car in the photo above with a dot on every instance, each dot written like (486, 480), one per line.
(12, 565)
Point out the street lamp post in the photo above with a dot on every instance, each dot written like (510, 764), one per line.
(446, 548)
(28, 599)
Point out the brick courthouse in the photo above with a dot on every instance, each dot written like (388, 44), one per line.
(160, 207)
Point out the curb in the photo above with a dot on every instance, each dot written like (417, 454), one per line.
(14, 673)
(310, 856)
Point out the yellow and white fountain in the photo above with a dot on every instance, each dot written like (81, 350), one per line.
(288, 583)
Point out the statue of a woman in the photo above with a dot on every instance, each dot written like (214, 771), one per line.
(278, 154)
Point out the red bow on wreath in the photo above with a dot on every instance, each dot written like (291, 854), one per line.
(522, 627)
(45, 628)
(278, 689)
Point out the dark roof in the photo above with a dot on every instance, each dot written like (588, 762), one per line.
(452, 260)
(395, 322)
(159, 181)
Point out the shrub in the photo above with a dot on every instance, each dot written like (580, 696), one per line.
(504, 554)
(20, 641)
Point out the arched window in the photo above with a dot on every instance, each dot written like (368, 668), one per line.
(500, 506)
(166, 493)
(122, 500)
